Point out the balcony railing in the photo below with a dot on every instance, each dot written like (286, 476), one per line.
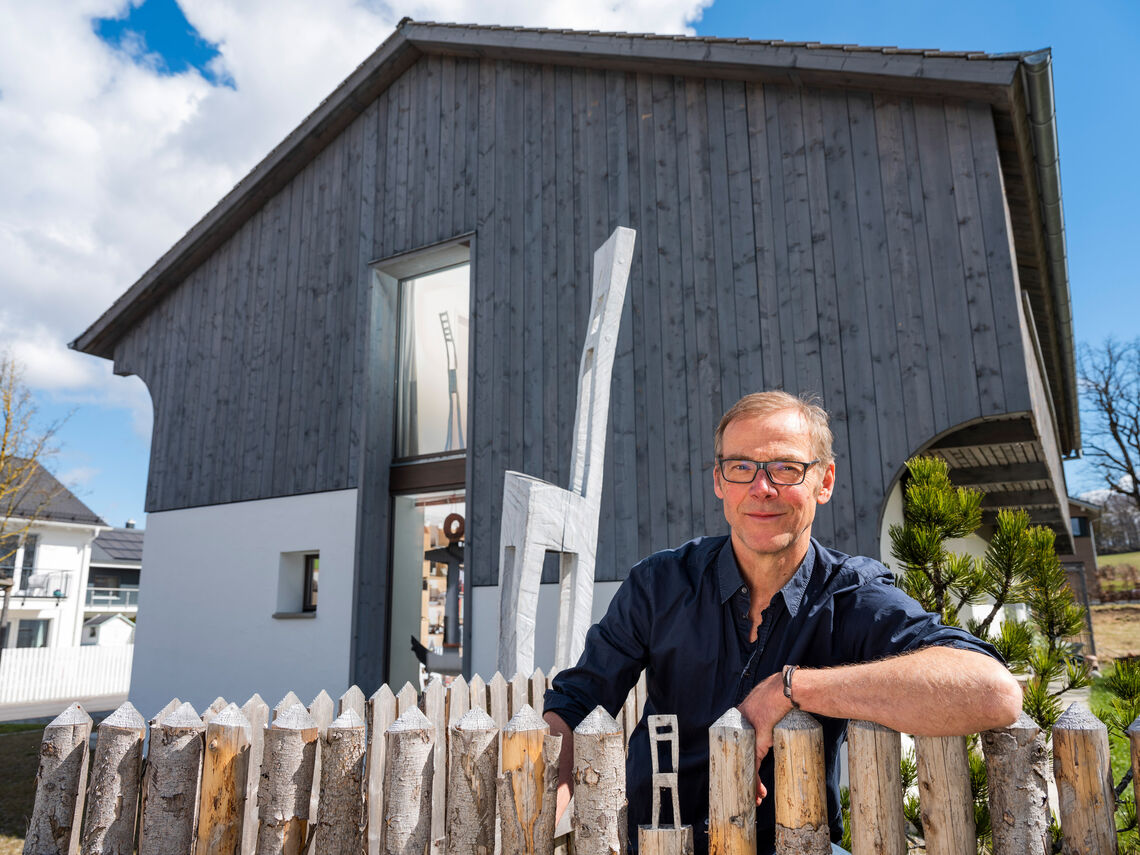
(48, 584)
(126, 597)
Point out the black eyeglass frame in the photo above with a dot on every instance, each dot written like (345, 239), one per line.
(808, 464)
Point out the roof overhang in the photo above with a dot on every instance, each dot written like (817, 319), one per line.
(1018, 87)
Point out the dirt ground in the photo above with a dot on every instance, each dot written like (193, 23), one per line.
(1116, 630)
(19, 758)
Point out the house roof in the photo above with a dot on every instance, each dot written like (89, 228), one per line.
(1017, 85)
(118, 546)
(99, 620)
(43, 497)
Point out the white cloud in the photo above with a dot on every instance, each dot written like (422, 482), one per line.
(105, 163)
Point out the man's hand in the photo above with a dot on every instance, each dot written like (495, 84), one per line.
(764, 707)
(558, 727)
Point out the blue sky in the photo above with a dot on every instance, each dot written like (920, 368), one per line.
(222, 96)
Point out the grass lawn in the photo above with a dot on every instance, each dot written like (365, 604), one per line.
(1116, 630)
(19, 759)
(1132, 558)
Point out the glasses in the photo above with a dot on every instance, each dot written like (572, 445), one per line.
(784, 473)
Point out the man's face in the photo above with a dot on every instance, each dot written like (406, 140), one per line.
(771, 520)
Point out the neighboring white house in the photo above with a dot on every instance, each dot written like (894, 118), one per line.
(108, 629)
(49, 569)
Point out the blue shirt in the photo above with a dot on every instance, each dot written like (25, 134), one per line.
(682, 616)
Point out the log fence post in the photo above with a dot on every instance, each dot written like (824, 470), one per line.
(1018, 771)
(171, 783)
(256, 712)
(732, 785)
(473, 765)
(225, 765)
(339, 825)
(600, 808)
(877, 823)
(381, 714)
(528, 785)
(406, 823)
(944, 795)
(60, 785)
(286, 784)
(1085, 796)
(800, 792)
(109, 827)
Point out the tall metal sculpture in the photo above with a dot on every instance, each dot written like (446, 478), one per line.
(539, 517)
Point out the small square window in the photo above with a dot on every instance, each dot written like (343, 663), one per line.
(297, 577)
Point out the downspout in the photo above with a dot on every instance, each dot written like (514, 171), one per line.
(1037, 78)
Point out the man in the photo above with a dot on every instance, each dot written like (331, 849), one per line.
(718, 622)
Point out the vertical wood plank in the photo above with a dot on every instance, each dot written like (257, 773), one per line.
(256, 712)
(381, 715)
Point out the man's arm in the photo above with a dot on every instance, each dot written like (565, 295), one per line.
(935, 691)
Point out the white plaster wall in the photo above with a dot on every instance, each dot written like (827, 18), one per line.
(485, 625)
(209, 589)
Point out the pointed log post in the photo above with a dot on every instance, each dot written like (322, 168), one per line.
(877, 823)
(286, 782)
(477, 689)
(211, 712)
(1134, 743)
(109, 828)
(528, 785)
(436, 712)
(473, 766)
(498, 694)
(537, 689)
(225, 765)
(290, 700)
(600, 807)
(321, 711)
(1085, 798)
(353, 699)
(944, 795)
(519, 690)
(732, 785)
(800, 791)
(60, 785)
(340, 822)
(165, 711)
(170, 785)
(407, 785)
(256, 712)
(458, 700)
(1017, 766)
(381, 714)
(407, 698)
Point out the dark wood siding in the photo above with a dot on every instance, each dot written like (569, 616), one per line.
(850, 244)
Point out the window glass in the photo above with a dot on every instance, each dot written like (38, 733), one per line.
(32, 633)
(431, 395)
(30, 544)
(312, 572)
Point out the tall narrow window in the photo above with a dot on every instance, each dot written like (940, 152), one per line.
(431, 393)
(312, 571)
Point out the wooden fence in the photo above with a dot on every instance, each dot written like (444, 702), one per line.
(428, 773)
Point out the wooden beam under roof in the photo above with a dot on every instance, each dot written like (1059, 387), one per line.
(974, 476)
(989, 433)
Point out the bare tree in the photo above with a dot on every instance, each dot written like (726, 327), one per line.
(26, 490)
(1110, 386)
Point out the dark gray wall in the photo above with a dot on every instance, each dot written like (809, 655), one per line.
(846, 243)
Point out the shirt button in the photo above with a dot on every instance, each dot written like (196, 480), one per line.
(743, 589)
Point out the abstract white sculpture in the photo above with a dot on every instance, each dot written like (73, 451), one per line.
(538, 516)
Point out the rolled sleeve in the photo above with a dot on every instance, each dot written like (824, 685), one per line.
(876, 619)
(616, 652)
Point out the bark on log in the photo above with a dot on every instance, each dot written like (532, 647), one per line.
(381, 714)
(225, 765)
(800, 791)
(60, 785)
(877, 823)
(944, 795)
(286, 784)
(171, 782)
(665, 841)
(112, 805)
(528, 785)
(1085, 795)
(600, 807)
(256, 712)
(407, 785)
(340, 823)
(732, 785)
(473, 766)
(1017, 767)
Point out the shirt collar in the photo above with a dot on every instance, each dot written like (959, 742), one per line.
(730, 580)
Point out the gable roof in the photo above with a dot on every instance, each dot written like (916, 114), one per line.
(45, 498)
(1017, 85)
